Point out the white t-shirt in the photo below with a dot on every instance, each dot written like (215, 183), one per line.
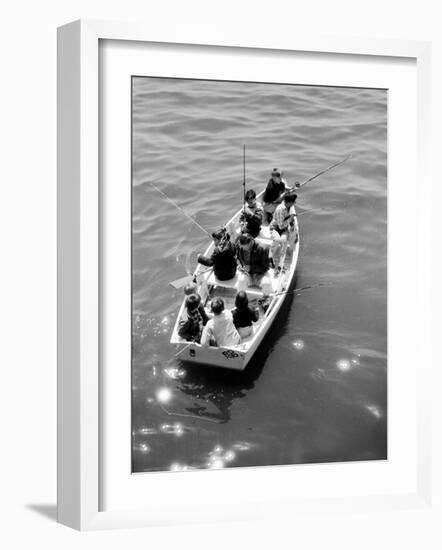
(222, 329)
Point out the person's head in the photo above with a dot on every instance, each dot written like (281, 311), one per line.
(220, 235)
(217, 305)
(192, 302)
(276, 175)
(290, 198)
(190, 288)
(241, 300)
(251, 197)
(245, 240)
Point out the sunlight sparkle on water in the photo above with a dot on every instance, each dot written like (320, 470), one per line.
(229, 456)
(343, 364)
(163, 395)
(374, 410)
(298, 344)
(175, 373)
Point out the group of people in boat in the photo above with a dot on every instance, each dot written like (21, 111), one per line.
(240, 253)
(220, 327)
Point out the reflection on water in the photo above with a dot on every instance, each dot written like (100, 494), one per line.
(316, 391)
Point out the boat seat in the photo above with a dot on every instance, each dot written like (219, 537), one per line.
(233, 283)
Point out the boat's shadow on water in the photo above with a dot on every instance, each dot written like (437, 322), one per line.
(221, 387)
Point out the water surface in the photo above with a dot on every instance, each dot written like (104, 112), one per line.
(318, 390)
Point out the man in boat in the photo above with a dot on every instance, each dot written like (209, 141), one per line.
(282, 230)
(191, 326)
(223, 258)
(252, 216)
(254, 264)
(274, 193)
(220, 330)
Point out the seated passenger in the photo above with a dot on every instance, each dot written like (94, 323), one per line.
(192, 288)
(220, 330)
(274, 193)
(244, 315)
(191, 325)
(254, 262)
(252, 215)
(282, 230)
(223, 258)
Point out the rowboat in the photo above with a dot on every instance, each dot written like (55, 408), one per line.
(237, 357)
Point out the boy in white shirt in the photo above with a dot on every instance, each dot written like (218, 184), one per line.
(282, 230)
(220, 330)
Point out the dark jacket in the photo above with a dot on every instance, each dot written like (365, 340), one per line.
(191, 327)
(252, 223)
(259, 258)
(273, 190)
(244, 317)
(223, 261)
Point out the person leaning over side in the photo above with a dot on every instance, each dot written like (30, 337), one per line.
(251, 217)
(273, 194)
(220, 330)
(282, 230)
(223, 257)
(191, 325)
(244, 315)
(254, 264)
(192, 288)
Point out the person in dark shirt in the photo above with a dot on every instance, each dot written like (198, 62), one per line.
(273, 194)
(244, 315)
(191, 325)
(254, 264)
(252, 215)
(192, 288)
(223, 258)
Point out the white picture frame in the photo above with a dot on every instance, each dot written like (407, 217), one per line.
(79, 294)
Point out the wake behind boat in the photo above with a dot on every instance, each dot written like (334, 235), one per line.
(237, 357)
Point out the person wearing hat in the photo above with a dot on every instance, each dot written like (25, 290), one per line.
(191, 325)
(273, 194)
(223, 257)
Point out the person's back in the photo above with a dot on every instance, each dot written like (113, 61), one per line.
(191, 325)
(220, 330)
(244, 315)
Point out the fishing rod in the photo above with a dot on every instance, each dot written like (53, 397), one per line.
(299, 185)
(244, 177)
(179, 208)
(301, 289)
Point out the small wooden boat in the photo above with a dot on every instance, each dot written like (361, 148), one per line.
(237, 357)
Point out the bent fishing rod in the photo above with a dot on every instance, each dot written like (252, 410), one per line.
(179, 208)
(298, 185)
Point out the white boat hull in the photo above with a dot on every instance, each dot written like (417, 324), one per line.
(236, 357)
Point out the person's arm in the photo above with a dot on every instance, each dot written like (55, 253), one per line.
(203, 314)
(206, 335)
(204, 260)
(184, 329)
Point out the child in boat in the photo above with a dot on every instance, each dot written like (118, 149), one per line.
(252, 216)
(282, 230)
(244, 315)
(220, 330)
(274, 193)
(192, 288)
(191, 326)
(223, 258)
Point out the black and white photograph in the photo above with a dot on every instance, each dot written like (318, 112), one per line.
(259, 274)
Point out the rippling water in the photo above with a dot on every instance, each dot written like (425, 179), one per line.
(318, 390)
